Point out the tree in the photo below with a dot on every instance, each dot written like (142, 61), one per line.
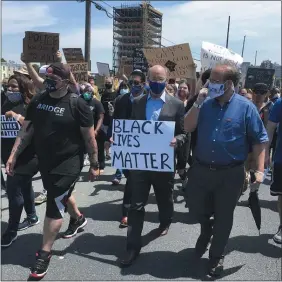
(267, 64)
(2, 60)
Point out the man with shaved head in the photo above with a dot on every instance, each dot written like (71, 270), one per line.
(158, 105)
(228, 125)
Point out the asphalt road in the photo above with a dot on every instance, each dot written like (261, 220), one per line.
(92, 254)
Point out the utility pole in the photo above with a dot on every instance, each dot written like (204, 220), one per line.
(87, 33)
(256, 58)
(243, 46)
(227, 39)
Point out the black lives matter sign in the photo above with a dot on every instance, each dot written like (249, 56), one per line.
(143, 145)
(41, 47)
(9, 127)
(259, 75)
(79, 71)
(139, 60)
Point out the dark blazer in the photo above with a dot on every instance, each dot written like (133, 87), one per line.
(173, 110)
(123, 107)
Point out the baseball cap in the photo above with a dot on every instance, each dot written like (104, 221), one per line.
(260, 88)
(59, 69)
(43, 69)
(140, 73)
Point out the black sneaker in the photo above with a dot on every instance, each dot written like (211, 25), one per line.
(41, 265)
(28, 222)
(8, 238)
(75, 225)
(215, 266)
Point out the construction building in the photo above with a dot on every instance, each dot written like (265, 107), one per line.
(134, 26)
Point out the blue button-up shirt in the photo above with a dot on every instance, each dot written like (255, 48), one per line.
(226, 133)
(154, 107)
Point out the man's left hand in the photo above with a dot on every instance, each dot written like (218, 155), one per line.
(93, 174)
(173, 143)
(10, 114)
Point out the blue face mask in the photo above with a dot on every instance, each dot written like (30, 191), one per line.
(215, 90)
(123, 91)
(136, 89)
(87, 96)
(14, 97)
(50, 85)
(157, 88)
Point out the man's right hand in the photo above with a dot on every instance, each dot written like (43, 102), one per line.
(10, 166)
(203, 94)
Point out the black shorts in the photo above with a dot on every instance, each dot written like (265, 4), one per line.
(59, 189)
(276, 185)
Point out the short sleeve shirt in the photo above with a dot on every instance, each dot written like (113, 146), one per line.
(58, 140)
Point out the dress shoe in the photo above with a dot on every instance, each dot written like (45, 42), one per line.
(129, 258)
(215, 266)
(163, 230)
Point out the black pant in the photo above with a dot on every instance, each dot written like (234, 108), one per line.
(140, 182)
(3, 183)
(214, 192)
(20, 194)
(127, 194)
(101, 149)
(182, 154)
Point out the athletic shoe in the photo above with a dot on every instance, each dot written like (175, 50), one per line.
(107, 157)
(40, 199)
(41, 265)
(116, 181)
(75, 225)
(215, 266)
(123, 223)
(28, 222)
(8, 238)
(277, 238)
(86, 161)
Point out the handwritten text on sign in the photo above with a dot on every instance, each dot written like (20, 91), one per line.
(79, 71)
(9, 127)
(212, 54)
(143, 145)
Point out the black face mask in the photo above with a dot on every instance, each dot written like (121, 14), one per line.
(108, 86)
(50, 85)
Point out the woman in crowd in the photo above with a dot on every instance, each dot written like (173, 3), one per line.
(247, 93)
(123, 88)
(107, 100)
(19, 186)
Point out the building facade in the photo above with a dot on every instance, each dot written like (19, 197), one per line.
(8, 68)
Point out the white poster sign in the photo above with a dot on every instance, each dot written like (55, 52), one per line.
(103, 69)
(212, 54)
(9, 127)
(143, 145)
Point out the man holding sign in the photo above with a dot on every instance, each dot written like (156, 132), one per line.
(156, 108)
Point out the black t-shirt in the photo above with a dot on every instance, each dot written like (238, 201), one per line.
(105, 99)
(97, 108)
(27, 163)
(58, 140)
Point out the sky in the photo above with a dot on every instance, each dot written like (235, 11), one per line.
(183, 22)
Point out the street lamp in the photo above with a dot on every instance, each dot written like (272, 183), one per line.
(88, 27)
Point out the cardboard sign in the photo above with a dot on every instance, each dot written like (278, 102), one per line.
(212, 54)
(40, 47)
(100, 81)
(178, 59)
(79, 71)
(143, 145)
(139, 60)
(9, 127)
(73, 55)
(259, 75)
(103, 69)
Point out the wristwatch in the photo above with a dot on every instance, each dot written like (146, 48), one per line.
(196, 105)
(94, 165)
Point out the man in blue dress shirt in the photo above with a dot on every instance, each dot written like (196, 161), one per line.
(158, 105)
(228, 125)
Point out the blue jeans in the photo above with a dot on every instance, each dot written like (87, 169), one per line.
(118, 174)
(20, 195)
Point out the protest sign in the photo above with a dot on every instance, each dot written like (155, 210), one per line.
(139, 60)
(212, 54)
(73, 55)
(9, 127)
(100, 81)
(177, 59)
(40, 47)
(103, 69)
(79, 71)
(143, 145)
(259, 75)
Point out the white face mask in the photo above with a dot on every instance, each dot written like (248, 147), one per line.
(123, 91)
(215, 90)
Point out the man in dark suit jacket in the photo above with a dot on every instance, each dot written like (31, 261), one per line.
(157, 105)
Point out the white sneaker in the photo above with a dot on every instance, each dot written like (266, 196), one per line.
(277, 238)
